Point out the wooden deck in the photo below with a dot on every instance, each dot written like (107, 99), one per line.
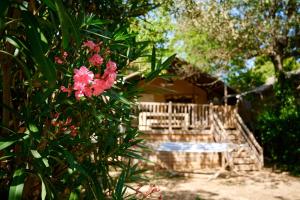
(179, 122)
(179, 116)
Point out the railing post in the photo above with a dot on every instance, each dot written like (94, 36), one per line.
(211, 112)
(170, 115)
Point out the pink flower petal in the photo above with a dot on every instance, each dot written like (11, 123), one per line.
(96, 60)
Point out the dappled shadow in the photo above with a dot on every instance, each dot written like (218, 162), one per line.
(227, 186)
(191, 195)
(281, 198)
(269, 179)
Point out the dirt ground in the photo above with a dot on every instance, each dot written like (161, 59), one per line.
(261, 185)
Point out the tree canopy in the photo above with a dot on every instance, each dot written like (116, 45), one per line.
(246, 29)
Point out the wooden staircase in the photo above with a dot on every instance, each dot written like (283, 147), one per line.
(247, 154)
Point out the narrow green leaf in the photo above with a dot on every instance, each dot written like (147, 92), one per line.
(120, 186)
(9, 140)
(168, 62)
(33, 128)
(73, 196)
(7, 156)
(3, 7)
(153, 58)
(36, 154)
(6, 144)
(69, 29)
(38, 50)
(44, 191)
(16, 188)
(4, 4)
(121, 35)
(49, 3)
(46, 162)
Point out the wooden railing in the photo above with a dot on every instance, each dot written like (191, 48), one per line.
(226, 114)
(220, 136)
(255, 148)
(180, 116)
(218, 130)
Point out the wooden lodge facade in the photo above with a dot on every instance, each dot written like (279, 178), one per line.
(182, 116)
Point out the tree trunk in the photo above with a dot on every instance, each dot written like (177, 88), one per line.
(281, 88)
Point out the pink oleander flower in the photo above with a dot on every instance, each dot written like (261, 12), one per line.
(110, 80)
(83, 75)
(92, 46)
(98, 87)
(68, 121)
(67, 90)
(79, 94)
(55, 115)
(111, 66)
(83, 78)
(57, 60)
(65, 54)
(110, 74)
(96, 60)
(88, 91)
(73, 132)
(97, 76)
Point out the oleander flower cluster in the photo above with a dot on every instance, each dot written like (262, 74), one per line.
(64, 125)
(86, 83)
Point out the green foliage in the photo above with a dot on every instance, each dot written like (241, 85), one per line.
(278, 126)
(245, 79)
(189, 43)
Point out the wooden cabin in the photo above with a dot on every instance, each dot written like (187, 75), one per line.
(191, 125)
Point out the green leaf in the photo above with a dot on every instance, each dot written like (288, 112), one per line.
(168, 62)
(6, 144)
(153, 59)
(36, 154)
(33, 128)
(68, 26)
(8, 141)
(4, 4)
(120, 35)
(50, 4)
(73, 196)
(8, 155)
(93, 21)
(38, 49)
(16, 188)
(3, 7)
(120, 185)
(44, 191)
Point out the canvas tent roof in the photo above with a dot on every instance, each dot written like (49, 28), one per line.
(183, 70)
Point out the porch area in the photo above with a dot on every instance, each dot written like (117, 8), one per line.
(183, 117)
(202, 126)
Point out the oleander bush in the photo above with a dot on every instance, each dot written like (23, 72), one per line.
(66, 110)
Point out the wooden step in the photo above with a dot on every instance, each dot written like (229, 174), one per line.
(232, 137)
(246, 167)
(245, 160)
